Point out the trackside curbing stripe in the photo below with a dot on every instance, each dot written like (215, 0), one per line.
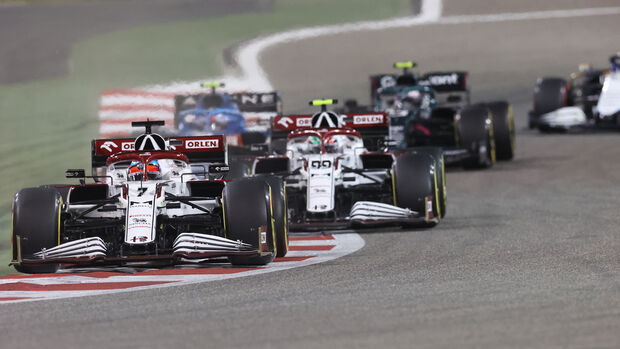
(24, 288)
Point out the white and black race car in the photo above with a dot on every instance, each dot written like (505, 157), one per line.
(334, 181)
(589, 98)
(153, 200)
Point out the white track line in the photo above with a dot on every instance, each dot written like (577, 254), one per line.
(253, 77)
(504, 17)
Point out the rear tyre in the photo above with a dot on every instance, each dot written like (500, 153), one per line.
(437, 154)
(503, 129)
(550, 94)
(37, 224)
(247, 210)
(414, 178)
(475, 132)
(278, 196)
(63, 189)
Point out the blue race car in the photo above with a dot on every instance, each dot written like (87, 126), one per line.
(223, 113)
(209, 114)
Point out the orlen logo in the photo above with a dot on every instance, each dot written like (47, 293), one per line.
(127, 146)
(202, 144)
(303, 122)
(108, 145)
(285, 121)
(367, 119)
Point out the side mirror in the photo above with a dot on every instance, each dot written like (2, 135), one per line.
(454, 99)
(75, 173)
(218, 168)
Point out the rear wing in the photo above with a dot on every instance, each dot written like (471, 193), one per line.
(451, 87)
(258, 102)
(369, 125)
(257, 108)
(198, 149)
(246, 101)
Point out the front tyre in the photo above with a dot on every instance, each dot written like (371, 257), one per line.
(549, 94)
(278, 196)
(248, 217)
(414, 179)
(474, 125)
(503, 129)
(36, 225)
(437, 154)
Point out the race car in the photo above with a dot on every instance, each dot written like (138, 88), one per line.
(334, 181)
(148, 205)
(243, 117)
(590, 98)
(435, 110)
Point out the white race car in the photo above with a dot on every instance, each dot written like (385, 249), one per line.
(333, 179)
(589, 99)
(153, 200)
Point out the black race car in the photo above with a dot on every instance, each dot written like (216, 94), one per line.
(434, 109)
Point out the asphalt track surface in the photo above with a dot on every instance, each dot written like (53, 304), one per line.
(526, 257)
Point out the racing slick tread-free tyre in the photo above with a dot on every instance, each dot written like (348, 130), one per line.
(278, 197)
(503, 129)
(475, 132)
(63, 189)
(550, 94)
(247, 207)
(36, 220)
(437, 154)
(414, 179)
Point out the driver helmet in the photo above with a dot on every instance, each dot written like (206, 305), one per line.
(412, 100)
(135, 171)
(219, 122)
(313, 144)
(153, 170)
(332, 145)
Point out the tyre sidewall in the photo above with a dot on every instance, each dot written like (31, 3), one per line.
(37, 222)
(414, 177)
(247, 206)
(503, 129)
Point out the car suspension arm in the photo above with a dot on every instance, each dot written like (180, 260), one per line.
(361, 173)
(111, 200)
(186, 201)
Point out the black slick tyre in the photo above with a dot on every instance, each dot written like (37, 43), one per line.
(248, 218)
(63, 189)
(278, 196)
(414, 179)
(475, 132)
(550, 94)
(437, 154)
(503, 129)
(37, 214)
